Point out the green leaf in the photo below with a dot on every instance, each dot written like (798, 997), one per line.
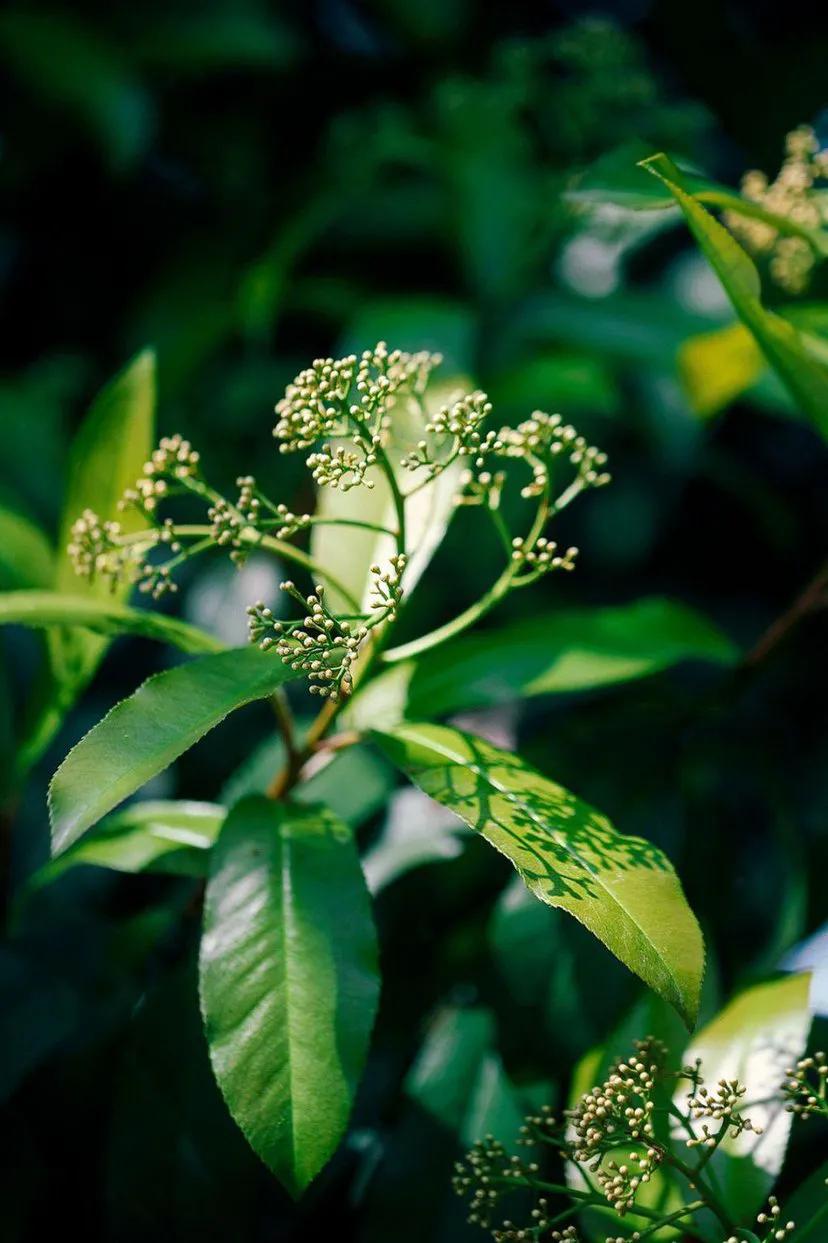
(623, 889)
(808, 1207)
(107, 455)
(442, 1078)
(151, 836)
(143, 734)
(46, 609)
(90, 79)
(754, 1039)
(613, 179)
(289, 980)
(570, 650)
(786, 348)
(26, 557)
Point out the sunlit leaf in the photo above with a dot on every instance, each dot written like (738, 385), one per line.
(786, 349)
(289, 981)
(143, 734)
(569, 650)
(107, 456)
(150, 836)
(715, 367)
(47, 609)
(754, 1039)
(623, 889)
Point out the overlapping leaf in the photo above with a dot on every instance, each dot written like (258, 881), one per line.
(143, 734)
(570, 650)
(623, 889)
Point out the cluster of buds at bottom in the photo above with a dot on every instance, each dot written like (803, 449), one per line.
(620, 1109)
(806, 1087)
(321, 646)
(776, 1230)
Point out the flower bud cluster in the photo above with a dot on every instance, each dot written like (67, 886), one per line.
(455, 431)
(173, 460)
(618, 1111)
(777, 1230)
(321, 646)
(545, 436)
(543, 555)
(99, 550)
(793, 195)
(335, 466)
(806, 1087)
(348, 398)
(290, 522)
(481, 1176)
(720, 1105)
(386, 588)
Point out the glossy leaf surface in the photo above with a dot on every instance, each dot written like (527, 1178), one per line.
(46, 609)
(289, 980)
(570, 650)
(622, 888)
(143, 734)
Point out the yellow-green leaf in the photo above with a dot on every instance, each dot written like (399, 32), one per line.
(47, 609)
(785, 347)
(754, 1039)
(143, 734)
(622, 888)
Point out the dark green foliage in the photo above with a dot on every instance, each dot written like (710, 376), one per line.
(199, 200)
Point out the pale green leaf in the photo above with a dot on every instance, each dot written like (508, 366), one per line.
(754, 1039)
(26, 556)
(289, 980)
(107, 455)
(143, 734)
(785, 347)
(150, 836)
(349, 552)
(623, 889)
(569, 650)
(46, 609)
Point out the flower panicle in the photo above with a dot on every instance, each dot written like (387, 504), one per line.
(796, 194)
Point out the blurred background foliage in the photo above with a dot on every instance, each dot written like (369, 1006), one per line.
(245, 186)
